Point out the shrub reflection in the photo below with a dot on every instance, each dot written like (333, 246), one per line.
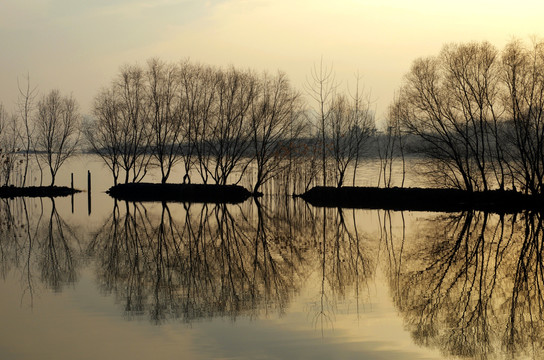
(468, 284)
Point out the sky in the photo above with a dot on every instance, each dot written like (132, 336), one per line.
(78, 46)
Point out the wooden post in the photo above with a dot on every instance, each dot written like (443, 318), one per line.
(72, 186)
(89, 191)
(89, 181)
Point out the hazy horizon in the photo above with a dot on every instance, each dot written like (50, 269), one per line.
(79, 47)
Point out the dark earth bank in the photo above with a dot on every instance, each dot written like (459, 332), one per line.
(422, 199)
(199, 193)
(36, 191)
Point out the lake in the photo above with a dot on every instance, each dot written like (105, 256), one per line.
(269, 279)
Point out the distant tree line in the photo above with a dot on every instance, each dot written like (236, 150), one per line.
(476, 114)
(219, 124)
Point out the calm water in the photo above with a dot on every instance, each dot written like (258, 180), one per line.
(275, 279)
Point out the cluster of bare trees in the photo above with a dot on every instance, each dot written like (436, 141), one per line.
(222, 124)
(46, 132)
(217, 122)
(479, 114)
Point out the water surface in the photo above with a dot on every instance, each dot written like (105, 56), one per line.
(272, 279)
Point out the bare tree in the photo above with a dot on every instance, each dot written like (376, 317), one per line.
(386, 152)
(364, 122)
(322, 87)
(393, 146)
(27, 96)
(9, 136)
(229, 135)
(120, 130)
(57, 124)
(472, 79)
(165, 115)
(197, 93)
(103, 132)
(523, 72)
(349, 126)
(480, 114)
(129, 90)
(453, 106)
(273, 120)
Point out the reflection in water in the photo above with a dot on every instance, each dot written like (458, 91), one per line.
(471, 285)
(37, 244)
(389, 237)
(345, 259)
(202, 260)
(197, 265)
(58, 247)
(468, 284)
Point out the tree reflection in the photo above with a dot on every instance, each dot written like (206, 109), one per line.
(471, 285)
(12, 240)
(200, 261)
(389, 236)
(525, 328)
(345, 259)
(210, 261)
(58, 249)
(32, 243)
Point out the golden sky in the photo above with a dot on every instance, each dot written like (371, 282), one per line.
(78, 46)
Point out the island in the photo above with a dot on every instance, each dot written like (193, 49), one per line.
(197, 193)
(36, 191)
(422, 199)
